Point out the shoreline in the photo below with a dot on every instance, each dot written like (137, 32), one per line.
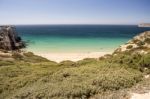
(58, 57)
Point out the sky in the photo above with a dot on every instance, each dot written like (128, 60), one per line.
(74, 11)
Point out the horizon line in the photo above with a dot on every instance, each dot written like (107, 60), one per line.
(70, 24)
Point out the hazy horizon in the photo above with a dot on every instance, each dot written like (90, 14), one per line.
(69, 24)
(67, 12)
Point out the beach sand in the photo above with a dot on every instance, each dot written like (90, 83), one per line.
(58, 57)
(140, 96)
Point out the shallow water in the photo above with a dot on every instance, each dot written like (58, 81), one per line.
(76, 38)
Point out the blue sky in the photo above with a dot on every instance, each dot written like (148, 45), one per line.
(74, 11)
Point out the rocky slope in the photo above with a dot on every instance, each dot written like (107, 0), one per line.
(9, 40)
(140, 44)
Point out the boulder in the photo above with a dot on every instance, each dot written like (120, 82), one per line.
(9, 39)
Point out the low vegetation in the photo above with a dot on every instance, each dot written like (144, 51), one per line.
(129, 46)
(34, 77)
(147, 40)
(140, 43)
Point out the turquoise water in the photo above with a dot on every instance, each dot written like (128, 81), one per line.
(53, 44)
(76, 38)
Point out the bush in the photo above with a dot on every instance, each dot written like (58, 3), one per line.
(129, 46)
(36, 77)
(140, 43)
(6, 63)
(28, 54)
(67, 63)
(17, 56)
(135, 41)
(139, 49)
(130, 60)
(145, 61)
(86, 61)
(30, 57)
(147, 40)
(81, 82)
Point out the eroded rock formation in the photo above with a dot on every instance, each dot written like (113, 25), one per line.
(9, 40)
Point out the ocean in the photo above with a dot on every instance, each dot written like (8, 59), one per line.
(76, 38)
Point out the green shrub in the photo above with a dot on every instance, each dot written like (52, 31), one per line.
(86, 61)
(135, 41)
(6, 63)
(108, 56)
(145, 61)
(115, 81)
(101, 58)
(128, 59)
(147, 40)
(80, 82)
(17, 56)
(37, 77)
(140, 43)
(30, 57)
(67, 63)
(28, 54)
(129, 46)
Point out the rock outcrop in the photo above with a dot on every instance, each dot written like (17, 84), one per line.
(9, 40)
(144, 25)
(140, 44)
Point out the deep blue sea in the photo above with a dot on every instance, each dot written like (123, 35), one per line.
(76, 38)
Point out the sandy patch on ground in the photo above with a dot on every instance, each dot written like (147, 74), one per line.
(58, 57)
(140, 96)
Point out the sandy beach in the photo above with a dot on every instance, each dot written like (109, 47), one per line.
(58, 57)
(140, 96)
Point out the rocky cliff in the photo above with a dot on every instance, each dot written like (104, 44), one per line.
(140, 44)
(9, 40)
(144, 25)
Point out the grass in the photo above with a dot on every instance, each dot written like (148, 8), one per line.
(32, 76)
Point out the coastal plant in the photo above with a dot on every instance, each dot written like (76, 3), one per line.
(145, 61)
(140, 43)
(6, 63)
(127, 59)
(147, 40)
(129, 46)
(50, 80)
(67, 63)
(87, 61)
(135, 41)
(17, 56)
(28, 54)
(30, 57)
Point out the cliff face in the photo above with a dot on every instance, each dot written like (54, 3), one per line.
(9, 40)
(140, 44)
